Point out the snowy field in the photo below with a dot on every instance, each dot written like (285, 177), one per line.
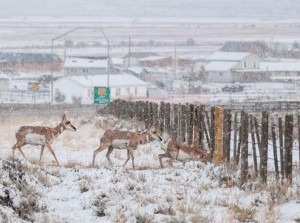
(76, 192)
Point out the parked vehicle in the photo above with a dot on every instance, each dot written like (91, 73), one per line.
(233, 88)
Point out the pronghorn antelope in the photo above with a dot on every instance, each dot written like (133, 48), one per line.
(177, 150)
(40, 135)
(125, 140)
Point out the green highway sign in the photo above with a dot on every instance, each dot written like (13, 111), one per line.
(101, 95)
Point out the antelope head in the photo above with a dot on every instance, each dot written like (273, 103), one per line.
(66, 123)
(155, 133)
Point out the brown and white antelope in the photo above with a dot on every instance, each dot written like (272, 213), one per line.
(177, 150)
(125, 140)
(40, 135)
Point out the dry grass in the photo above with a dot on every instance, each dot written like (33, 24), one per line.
(242, 214)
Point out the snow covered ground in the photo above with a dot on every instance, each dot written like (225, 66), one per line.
(76, 192)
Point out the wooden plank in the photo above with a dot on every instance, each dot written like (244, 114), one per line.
(281, 149)
(252, 129)
(218, 154)
(162, 116)
(212, 130)
(183, 123)
(244, 152)
(235, 131)
(264, 148)
(273, 129)
(197, 126)
(288, 146)
(190, 124)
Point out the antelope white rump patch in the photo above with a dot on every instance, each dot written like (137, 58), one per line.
(33, 138)
(182, 156)
(120, 143)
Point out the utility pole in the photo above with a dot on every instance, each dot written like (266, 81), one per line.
(175, 60)
(129, 50)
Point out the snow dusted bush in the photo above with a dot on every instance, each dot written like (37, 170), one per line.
(19, 190)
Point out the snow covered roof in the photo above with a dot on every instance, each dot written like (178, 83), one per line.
(227, 56)
(280, 66)
(152, 58)
(117, 61)
(26, 57)
(3, 76)
(115, 80)
(140, 54)
(72, 62)
(220, 66)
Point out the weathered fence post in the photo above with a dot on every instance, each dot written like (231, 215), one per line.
(281, 149)
(212, 131)
(218, 136)
(190, 124)
(253, 145)
(182, 123)
(162, 116)
(273, 129)
(226, 135)
(167, 118)
(197, 126)
(244, 153)
(264, 148)
(288, 146)
(146, 114)
(238, 152)
(235, 130)
(175, 126)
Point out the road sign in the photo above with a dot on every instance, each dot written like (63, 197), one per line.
(33, 86)
(101, 95)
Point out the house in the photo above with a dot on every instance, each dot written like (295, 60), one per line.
(4, 82)
(29, 61)
(131, 59)
(233, 67)
(155, 61)
(82, 87)
(84, 66)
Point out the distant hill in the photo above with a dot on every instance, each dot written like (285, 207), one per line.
(254, 9)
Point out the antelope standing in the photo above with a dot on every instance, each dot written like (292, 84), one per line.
(40, 135)
(177, 150)
(125, 140)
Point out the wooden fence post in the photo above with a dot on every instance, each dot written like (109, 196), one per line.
(218, 136)
(167, 118)
(235, 130)
(281, 149)
(176, 121)
(226, 135)
(162, 116)
(244, 153)
(253, 145)
(238, 152)
(182, 123)
(190, 124)
(197, 126)
(212, 131)
(288, 145)
(273, 129)
(264, 148)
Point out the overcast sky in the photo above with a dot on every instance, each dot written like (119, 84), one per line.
(259, 9)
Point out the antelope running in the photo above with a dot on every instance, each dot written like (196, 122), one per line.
(40, 135)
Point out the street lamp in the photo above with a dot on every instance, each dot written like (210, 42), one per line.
(68, 32)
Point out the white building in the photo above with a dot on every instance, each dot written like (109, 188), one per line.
(4, 82)
(84, 66)
(122, 85)
(232, 67)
